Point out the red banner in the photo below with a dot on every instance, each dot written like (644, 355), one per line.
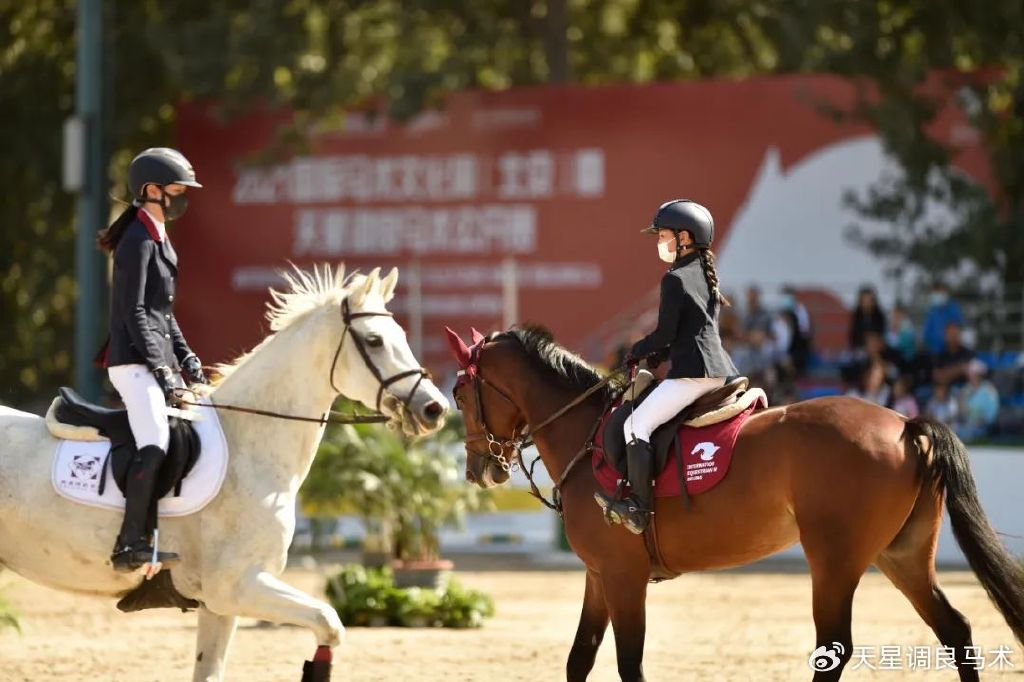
(549, 185)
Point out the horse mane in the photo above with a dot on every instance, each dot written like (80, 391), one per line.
(304, 292)
(570, 370)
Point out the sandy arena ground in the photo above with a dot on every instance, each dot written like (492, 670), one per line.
(724, 626)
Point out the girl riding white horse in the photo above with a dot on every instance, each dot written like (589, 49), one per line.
(234, 549)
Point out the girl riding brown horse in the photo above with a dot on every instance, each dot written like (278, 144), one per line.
(856, 484)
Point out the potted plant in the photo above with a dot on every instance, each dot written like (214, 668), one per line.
(416, 607)
(406, 491)
(368, 597)
(361, 596)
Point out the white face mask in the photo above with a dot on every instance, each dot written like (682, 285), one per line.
(667, 250)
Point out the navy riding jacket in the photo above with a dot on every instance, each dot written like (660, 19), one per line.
(142, 325)
(687, 325)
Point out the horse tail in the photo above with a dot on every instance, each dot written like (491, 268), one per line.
(1000, 573)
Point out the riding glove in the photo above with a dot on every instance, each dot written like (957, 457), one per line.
(192, 368)
(165, 379)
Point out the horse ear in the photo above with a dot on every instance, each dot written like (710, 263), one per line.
(388, 285)
(459, 348)
(372, 282)
(477, 336)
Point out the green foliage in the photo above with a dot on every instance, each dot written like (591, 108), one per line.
(321, 56)
(405, 491)
(364, 596)
(915, 55)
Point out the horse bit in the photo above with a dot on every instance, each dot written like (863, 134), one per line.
(496, 447)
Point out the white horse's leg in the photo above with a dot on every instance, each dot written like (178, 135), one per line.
(213, 638)
(259, 594)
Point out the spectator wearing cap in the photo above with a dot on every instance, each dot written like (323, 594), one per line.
(942, 312)
(979, 403)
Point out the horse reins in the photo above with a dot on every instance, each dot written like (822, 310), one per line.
(333, 416)
(496, 447)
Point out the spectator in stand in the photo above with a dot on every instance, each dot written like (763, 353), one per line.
(867, 317)
(900, 334)
(792, 331)
(942, 405)
(942, 311)
(757, 316)
(873, 387)
(874, 351)
(979, 403)
(755, 358)
(903, 400)
(949, 366)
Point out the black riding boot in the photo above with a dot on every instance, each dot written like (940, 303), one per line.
(133, 548)
(634, 510)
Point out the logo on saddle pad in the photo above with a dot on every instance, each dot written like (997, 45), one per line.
(85, 467)
(706, 449)
(83, 472)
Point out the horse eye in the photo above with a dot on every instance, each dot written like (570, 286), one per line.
(374, 341)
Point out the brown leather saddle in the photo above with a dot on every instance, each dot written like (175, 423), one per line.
(614, 442)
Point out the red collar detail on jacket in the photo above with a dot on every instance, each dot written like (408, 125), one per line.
(146, 220)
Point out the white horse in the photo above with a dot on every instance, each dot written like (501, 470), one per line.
(234, 549)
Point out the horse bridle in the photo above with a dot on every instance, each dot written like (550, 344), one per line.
(496, 446)
(347, 316)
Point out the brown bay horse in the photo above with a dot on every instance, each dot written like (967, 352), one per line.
(856, 484)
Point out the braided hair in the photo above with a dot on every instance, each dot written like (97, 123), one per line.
(707, 263)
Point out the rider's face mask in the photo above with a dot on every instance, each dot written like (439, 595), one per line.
(667, 250)
(174, 205)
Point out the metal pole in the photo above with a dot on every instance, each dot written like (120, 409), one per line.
(415, 308)
(510, 292)
(90, 313)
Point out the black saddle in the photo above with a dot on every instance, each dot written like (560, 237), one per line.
(665, 435)
(182, 454)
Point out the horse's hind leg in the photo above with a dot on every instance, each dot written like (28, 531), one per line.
(593, 623)
(909, 562)
(213, 637)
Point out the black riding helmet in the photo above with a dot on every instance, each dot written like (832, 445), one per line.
(682, 214)
(159, 166)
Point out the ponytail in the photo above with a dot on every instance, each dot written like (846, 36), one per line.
(707, 263)
(108, 238)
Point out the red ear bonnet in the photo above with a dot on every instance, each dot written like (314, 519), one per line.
(459, 348)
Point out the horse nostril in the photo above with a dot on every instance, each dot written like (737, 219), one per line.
(433, 410)
(470, 477)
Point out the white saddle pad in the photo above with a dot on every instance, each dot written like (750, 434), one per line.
(77, 466)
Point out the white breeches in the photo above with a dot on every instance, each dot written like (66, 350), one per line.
(666, 401)
(147, 409)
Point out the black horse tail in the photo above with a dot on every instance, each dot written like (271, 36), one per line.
(1000, 573)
